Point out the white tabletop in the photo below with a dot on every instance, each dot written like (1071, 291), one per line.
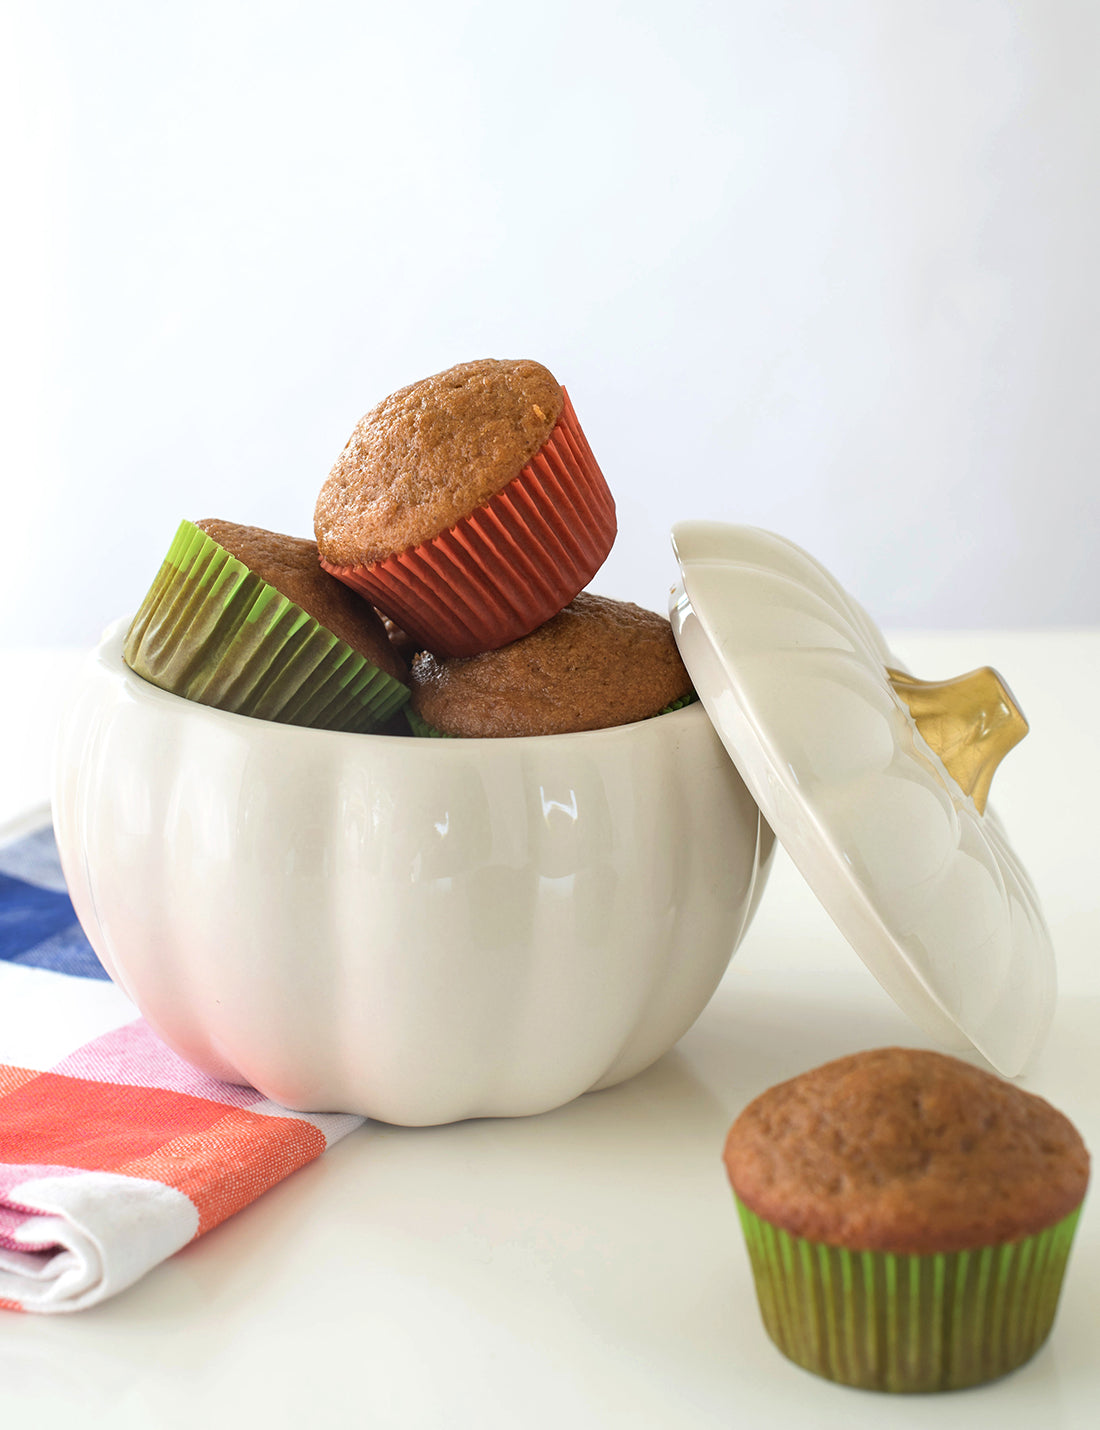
(584, 1267)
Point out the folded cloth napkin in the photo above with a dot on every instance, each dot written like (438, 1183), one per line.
(114, 1153)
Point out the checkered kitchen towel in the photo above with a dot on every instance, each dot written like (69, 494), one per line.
(114, 1153)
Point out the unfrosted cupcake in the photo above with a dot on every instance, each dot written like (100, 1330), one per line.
(908, 1218)
(468, 507)
(597, 663)
(246, 619)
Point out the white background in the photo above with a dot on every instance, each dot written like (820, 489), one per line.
(828, 268)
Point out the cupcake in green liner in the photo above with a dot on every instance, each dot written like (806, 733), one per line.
(247, 620)
(421, 729)
(597, 663)
(908, 1218)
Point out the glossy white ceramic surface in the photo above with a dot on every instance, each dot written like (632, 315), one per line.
(928, 891)
(418, 930)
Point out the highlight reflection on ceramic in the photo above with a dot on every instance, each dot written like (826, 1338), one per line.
(418, 930)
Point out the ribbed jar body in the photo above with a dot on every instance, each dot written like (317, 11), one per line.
(416, 930)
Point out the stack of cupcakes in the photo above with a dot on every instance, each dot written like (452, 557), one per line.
(454, 536)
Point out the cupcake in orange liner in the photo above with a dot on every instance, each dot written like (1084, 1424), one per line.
(246, 620)
(468, 507)
(908, 1218)
(597, 663)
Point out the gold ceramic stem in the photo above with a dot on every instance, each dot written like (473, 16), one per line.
(971, 722)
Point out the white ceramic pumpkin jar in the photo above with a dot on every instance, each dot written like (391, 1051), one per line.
(417, 930)
(425, 930)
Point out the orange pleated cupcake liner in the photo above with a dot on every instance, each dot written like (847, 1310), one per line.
(508, 566)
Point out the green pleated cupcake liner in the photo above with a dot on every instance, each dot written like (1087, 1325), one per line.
(420, 727)
(689, 699)
(883, 1321)
(212, 631)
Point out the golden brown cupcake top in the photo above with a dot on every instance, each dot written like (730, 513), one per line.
(597, 663)
(431, 454)
(290, 564)
(905, 1151)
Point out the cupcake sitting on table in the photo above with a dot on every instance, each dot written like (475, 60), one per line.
(908, 1218)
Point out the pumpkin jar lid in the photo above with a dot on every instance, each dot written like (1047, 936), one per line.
(874, 782)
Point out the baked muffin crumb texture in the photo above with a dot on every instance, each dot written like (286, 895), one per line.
(291, 565)
(906, 1151)
(598, 663)
(430, 454)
